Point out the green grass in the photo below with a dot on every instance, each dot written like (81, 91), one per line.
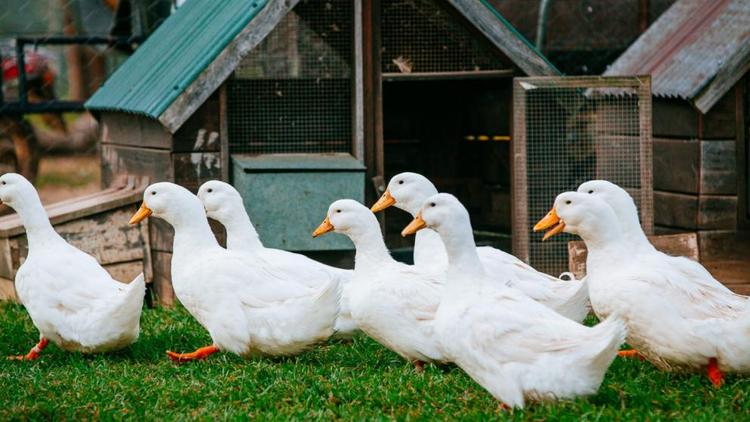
(340, 380)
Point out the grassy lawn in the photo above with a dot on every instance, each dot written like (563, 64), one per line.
(342, 380)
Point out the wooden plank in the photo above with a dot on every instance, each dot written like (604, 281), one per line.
(226, 163)
(125, 271)
(682, 244)
(161, 236)
(224, 64)
(358, 103)
(134, 130)
(201, 132)
(717, 212)
(742, 154)
(719, 122)
(675, 210)
(162, 283)
(718, 245)
(519, 176)
(718, 173)
(6, 261)
(151, 163)
(453, 76)
(8, 290)
(504, 38)
(731, 72)
(194, 168)
(676, 164)
(674, 118)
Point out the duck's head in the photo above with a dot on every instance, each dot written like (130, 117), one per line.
(616, 197)
(13, 188)
(346, 216)
(165, 200)
(406, 191)
(443, 213)
(221, 200)
(578, 213)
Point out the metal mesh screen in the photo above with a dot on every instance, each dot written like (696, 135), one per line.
(293, 93)
(568, 130)
(426, 36)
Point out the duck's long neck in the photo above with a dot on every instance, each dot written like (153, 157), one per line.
(462, 252)
(605, 241)
(632, 230)
(241, 234)
(191, 231)
(371, 249)
(39, 230)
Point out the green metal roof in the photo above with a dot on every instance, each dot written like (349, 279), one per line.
(174, 55)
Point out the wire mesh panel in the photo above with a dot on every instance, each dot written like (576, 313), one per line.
(426, 36)
(293, 93)
(568, 130)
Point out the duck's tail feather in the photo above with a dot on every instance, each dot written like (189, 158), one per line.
(610, 334)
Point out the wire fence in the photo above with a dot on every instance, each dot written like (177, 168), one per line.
(568, 130)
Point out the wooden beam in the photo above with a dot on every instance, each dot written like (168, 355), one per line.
(439, 76)
(504, 37)
(358, 127)
(226, 160)
(224, 64)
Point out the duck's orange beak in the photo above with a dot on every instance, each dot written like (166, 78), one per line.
(323, 228)
(550, 220)
(140, 215)
(384, 202)
(416, 225)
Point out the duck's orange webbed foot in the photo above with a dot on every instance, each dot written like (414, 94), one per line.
(419, 366)
(630, 353)
(34, 353)
(502, 407)
(201, 353)
(714, 373)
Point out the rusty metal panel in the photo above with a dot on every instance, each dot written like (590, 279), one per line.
(567, 130)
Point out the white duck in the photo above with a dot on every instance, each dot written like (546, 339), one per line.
(71, 299)
(247, 309)
(392, 302)
(513, 346)
(675, 319)
(224, 204)
(408, 191)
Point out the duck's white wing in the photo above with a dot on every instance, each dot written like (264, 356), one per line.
(689, 286)
(297, 267)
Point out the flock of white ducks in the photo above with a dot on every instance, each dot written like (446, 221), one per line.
(512, 329)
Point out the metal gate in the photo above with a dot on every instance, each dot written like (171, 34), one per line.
(567, 130)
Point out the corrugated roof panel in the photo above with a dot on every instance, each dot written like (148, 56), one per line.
(174, 55)
(687, 46)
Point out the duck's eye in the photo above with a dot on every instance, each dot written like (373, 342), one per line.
(338, 211)
(591, 191)
(4, 182)
(153, 192)
(400, 182)
(210, 190)
(568, 202)
(432, 204)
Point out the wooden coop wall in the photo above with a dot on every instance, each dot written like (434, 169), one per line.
(697, 170)
(140, 146)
